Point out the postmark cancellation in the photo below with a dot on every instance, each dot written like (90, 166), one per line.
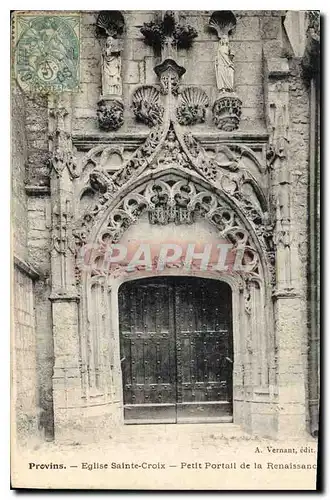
(46, 55)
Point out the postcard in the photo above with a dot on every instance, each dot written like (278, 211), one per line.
(165, 249)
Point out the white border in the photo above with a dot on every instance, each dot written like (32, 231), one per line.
(5, 186)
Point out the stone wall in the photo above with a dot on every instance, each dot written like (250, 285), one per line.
(298, 161)
(36, 127)
(32, 326)
(23, 326)
(255, 31)
(24, 356)
(19, 157)
(39, 241)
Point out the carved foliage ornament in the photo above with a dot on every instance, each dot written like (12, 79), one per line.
(205, 164)
(158, 33)
(141, 158)
(100, 181)
(227, 111)
(110, 114)
(247, 296)
(62, 240)
(279, 121)
(64, 158)
(60, 141)
(62, 155)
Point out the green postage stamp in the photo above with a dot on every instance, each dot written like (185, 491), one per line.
(46, 52)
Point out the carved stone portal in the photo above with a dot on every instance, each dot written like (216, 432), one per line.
(169, 147)
(177, 200)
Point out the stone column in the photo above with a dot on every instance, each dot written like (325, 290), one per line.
(239, 351)
(64, 298)
(116, 373)
(287, 302)
(311, 65)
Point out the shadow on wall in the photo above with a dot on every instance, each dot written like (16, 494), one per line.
(46, 414)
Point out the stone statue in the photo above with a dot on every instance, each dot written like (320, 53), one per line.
(111, 67)
(227, 108)
(224, 67)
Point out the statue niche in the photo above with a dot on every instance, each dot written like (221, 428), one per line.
(110, 110)
(227, 107)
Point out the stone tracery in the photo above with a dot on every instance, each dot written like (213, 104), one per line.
(174, 199)
(237, 186)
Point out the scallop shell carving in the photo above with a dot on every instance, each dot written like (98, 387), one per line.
(192, 107)
(146, 105)
(223, 22)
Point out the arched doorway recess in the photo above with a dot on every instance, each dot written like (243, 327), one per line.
(151, 210)
(176, 349)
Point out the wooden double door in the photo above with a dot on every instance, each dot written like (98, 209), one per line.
(176, 350)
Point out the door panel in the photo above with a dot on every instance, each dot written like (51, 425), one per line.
(147, 352)
(203, 320)
(176, 350)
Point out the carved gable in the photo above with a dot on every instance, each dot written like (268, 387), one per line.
(169, 148)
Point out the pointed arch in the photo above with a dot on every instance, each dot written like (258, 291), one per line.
(175, 196)
(169, 195)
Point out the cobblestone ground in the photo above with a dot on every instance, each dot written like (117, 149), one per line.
(192, 436)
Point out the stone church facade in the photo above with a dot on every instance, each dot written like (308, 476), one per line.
(188, 125)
